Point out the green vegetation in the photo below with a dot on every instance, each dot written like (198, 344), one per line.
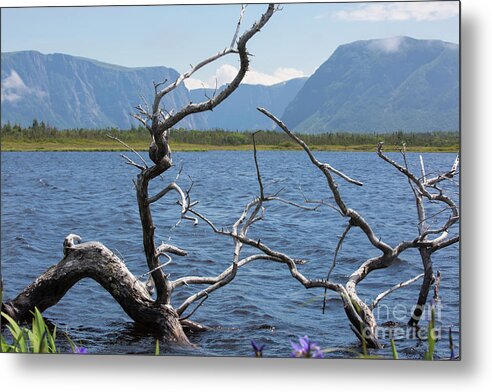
(431, 336)
(40, 137)
(37, 340)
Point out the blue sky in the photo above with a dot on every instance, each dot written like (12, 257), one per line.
(294, 43)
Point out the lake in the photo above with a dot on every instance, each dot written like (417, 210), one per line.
(47, 195)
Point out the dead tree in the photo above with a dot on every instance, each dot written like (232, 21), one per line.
(94, 260)
(359, 313)
(428, 240)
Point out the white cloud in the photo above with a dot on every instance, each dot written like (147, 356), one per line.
(388, 45)
(13, 82)
(14, 88)
(420, 11)
(226, 73)
(193, 84)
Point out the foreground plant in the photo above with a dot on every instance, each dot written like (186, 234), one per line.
(37, 339)
(257, 348)
(306, 349)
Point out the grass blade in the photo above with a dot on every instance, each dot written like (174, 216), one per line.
(393, 349)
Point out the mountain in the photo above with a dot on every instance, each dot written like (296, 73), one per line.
(72, 92)
(381, 85)
(238, 112)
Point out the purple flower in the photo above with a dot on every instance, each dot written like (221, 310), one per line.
(258, 348)
(79, 350)
(305, 349)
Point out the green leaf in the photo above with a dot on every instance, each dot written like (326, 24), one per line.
(70, 341)
(393, 349)
(157, 350)
(431, 339)
(20, 345)
(12, 324)
(43, 346)
(4, 346)
(51, 341)
(17, 332)
(38, 339)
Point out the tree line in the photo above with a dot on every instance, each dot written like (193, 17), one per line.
(40, 131)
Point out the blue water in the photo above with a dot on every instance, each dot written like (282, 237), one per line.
(47, 195)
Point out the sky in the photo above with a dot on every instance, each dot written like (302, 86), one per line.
(294, 43)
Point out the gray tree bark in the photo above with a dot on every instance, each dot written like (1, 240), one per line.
(94, 261)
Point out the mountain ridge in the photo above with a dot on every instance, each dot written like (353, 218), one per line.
(377, 85)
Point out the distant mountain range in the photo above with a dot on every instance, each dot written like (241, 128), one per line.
(238, 112)
(366, 86)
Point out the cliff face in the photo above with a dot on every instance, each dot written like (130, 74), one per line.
(72, 92)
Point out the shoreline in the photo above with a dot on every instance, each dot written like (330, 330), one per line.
(9, 146)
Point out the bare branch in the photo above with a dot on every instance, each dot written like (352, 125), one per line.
(291, 203)
(306, 148)
(422, 168)
(196, 308)
(339, 246)
(206, 220)
(132, 163)
(168, 248)
(444, 244)
(437, 284)
(422, 191)
(236, 33)
(400, 168)
(395, 287)
(258, 175)
(143, 121)
(155, 269)
(446, 176)
(199, 280)
(156, 85)
(171, 187)
(226, 276)
(130, 148)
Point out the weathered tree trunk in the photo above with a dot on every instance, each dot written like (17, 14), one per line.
(425, 255)
(148, 229)
(93, 260)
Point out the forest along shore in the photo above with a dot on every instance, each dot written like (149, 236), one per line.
(40, 137)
